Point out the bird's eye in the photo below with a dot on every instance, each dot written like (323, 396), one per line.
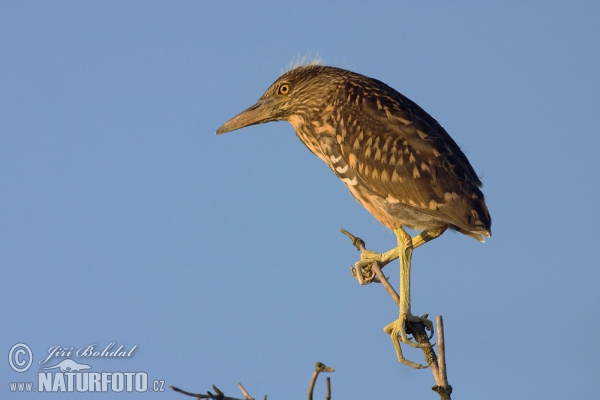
(284, 89)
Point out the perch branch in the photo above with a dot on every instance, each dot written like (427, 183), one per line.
(442, 387)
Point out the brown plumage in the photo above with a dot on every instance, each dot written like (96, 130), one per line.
(396, 160)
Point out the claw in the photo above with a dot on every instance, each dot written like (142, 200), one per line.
(395, 330)
(428, 323)
(423, 320)
(363, 276)
(428, 327)
(363, 273)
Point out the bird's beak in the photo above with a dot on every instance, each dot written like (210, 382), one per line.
(259, 113)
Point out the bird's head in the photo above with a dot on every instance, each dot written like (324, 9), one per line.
(296, 93)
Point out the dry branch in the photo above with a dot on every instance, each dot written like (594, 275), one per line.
(319, 367)
(219, 395)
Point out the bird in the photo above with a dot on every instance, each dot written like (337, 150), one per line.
(395, 159)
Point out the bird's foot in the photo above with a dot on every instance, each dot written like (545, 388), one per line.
(362, 270)
(400, 325)
(397, 332)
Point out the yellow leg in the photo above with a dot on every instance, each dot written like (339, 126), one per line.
(397, 329)
(428, 235)
(405, 244)
(362, 269)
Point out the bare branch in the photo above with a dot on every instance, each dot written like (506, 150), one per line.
(356, 241)
(442, 387)
(319, 367)
(244, 392)
(219, 395)
(386, 284)
(441, 350)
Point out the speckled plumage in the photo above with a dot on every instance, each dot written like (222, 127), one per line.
(396, 160)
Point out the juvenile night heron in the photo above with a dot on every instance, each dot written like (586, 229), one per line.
(395, 159)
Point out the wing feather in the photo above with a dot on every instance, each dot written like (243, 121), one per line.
(402, 154)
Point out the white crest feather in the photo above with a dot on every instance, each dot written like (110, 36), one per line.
(303, 60)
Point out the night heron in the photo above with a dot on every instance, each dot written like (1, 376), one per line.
(395, 159)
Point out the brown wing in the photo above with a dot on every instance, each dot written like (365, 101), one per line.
(399, 151)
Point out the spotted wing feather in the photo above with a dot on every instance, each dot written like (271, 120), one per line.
(402, 154)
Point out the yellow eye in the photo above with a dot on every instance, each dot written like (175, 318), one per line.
(284, 89)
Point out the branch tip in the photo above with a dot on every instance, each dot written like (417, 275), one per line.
(356, 241)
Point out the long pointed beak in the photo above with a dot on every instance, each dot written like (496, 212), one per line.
(259, 113)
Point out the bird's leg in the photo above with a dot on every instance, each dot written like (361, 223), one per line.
(398, 327)
(362, 271)
(428, 235)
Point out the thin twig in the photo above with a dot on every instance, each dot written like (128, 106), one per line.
(319, 367)
(442, 387)
(441, 350)
(311, 385)
(386, 284)
(218, 396)
(245, 392)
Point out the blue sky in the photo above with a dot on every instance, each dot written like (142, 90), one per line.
(125, 219)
